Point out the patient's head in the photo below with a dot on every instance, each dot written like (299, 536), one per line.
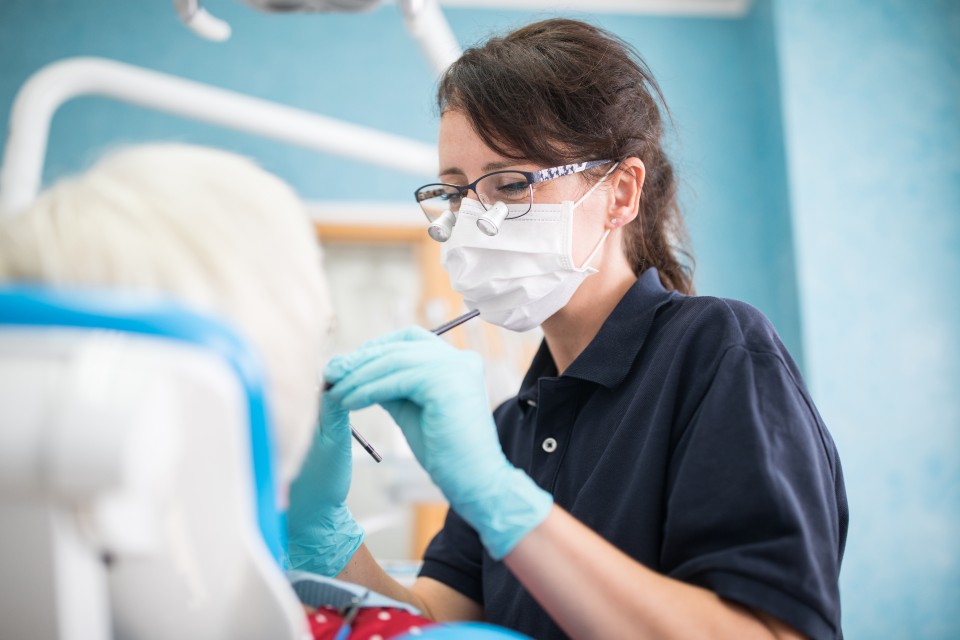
(208, 227)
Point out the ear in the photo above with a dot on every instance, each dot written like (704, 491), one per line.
(626, 184)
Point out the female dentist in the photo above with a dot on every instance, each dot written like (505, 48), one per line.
(662, 471)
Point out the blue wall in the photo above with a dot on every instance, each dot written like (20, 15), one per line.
(366, 69)
(871, 93)
(818, 147)
(320, 63)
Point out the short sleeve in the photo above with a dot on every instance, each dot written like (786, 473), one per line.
(755, 506)
(455, 558)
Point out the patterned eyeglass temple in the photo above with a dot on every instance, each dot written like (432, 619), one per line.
(564, 170)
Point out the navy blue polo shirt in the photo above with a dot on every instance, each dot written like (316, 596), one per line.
(683, 435)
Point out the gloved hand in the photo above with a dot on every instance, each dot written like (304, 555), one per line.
(436, 394)
(322, 535)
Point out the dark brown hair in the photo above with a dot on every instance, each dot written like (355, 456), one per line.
(562, 91)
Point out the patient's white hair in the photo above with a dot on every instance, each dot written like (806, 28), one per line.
(212, 229)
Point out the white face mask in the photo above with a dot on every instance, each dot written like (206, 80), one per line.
(524, 274)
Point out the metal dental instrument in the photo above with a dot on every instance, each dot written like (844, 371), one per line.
(365, 444)
(456, 322)
(349, 615)
(442, 329)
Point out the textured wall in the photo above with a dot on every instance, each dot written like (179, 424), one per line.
(871, 91)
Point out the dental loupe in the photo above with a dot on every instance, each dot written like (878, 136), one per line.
(441, 228)
(489, 222)
(492, 218)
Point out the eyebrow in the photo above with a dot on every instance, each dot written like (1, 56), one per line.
(492, 166)
(503, 164)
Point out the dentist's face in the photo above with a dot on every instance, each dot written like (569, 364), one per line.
(464, 157)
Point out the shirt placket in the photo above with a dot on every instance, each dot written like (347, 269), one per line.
(556, 409)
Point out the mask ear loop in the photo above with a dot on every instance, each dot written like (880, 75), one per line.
(596, 247)
(596, 184)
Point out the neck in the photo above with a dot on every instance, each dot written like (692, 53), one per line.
(570, 330)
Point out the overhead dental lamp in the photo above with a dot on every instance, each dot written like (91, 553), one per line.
(313, 5)
(192, 13)
(424, 21)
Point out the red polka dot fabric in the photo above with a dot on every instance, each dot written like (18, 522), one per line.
(371, 623)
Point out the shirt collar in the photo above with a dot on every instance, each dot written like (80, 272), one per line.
(611, 353)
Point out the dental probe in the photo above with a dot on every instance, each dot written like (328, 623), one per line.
(442, 329)
(456, 322)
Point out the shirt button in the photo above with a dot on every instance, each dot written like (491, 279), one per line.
(549, 445)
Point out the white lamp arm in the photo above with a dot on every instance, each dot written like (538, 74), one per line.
(429, 27)
(46, 90)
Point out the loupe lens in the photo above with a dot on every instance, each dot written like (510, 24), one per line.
(441, 228)
(489, 223)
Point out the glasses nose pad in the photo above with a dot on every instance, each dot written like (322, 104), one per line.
(441, 228)
(489, 223)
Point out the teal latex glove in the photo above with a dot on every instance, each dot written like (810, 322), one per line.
(322, 535)
(436, 394)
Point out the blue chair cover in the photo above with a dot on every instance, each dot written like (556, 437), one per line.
(92, 308)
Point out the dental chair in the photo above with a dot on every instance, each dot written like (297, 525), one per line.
(136, 475)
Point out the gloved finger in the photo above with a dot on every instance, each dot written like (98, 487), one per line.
(426, 371)
(436, 352)
(341, 364)
(409, 333)
(406, 414)
(419, 385)
(324, 476)
(334, 420)
(399, 384)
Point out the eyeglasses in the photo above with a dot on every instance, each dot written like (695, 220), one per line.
(510, 186)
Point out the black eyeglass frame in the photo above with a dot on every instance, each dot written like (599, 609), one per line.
(533, 177)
